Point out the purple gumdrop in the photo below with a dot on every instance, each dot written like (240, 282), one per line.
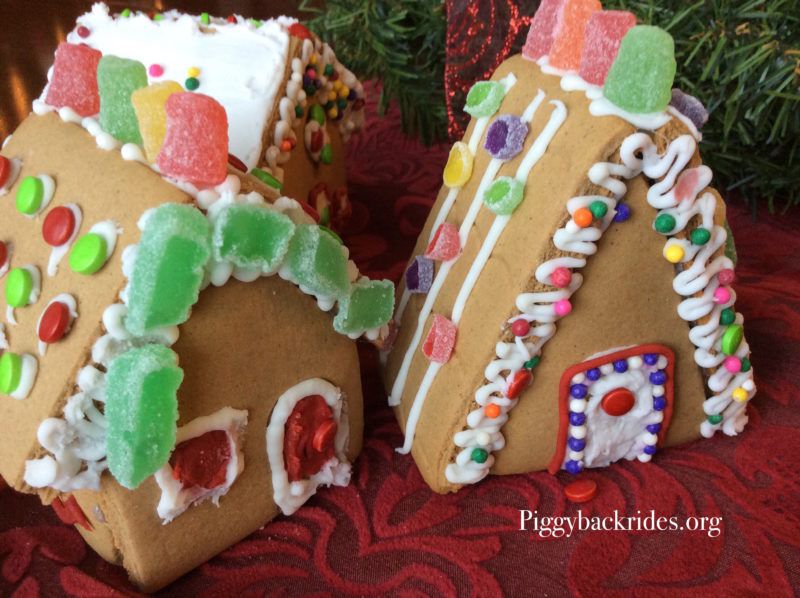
(690, 107)
(419, 276)
(506, 136)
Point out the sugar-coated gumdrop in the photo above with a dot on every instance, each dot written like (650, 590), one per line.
(117, 79)
(640, 80)
(441, 339)
(252, 236)
(370, 305)
(170, 260)
(316, 260)
(484, 98)
(196, 145)
(74, 80)
(202, 461)
(445, 244)
(690, 107)
(149, 102)
(604, 34)
(543, 29)
(141, 412)
(506, 136)
(570, 28)
(504, 195)
(419, 275)
(459, 165)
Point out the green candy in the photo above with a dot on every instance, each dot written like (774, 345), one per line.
(117, 79)
(30, 194)
(326, 155)
(19, 286)
(169, 268)
(88, 254)
(745, 365)
(251, 236)
(316, 260)
(640, 80)
(598, 209)
(191, 83)
(328, 70)
(205, 18)
(732, 338)
(665, 223)
(298, 111)
(532, 362)
(369, 305)
(125, 13)
(10, 372)
(727, 316)
(318, 114)
(484, 98)
(700, 236)
(479, 455)
(714, 419)
(141, 412)
(504, 195)
(267, 178)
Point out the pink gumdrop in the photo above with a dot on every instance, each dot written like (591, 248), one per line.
(726, 276)
(602, 38)
(195, 147)
(722, 295)
(562, 307)
(438, 345)
(570, 28)
(543, 29)
(156, 70)
(445, 244)
(733, 364)
(74, 80)
(561, 277)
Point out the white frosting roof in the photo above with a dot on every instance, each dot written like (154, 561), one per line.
(241, 65)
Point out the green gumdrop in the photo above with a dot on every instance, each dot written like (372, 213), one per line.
(141, 412)
(504, 195)
(251, 236)
(484, 98)
(369, 305)
(317, 262)
(168, 271)
(640, 80)
(117, 79)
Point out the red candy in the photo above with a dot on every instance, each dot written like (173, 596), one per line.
(308, 441)
(445, 244)
(156, 70)
(438, 345)
(570, 27)
(82, 31)
(70, 512)
(580, 491)
(202, 461)
(5, 170)
(74, 80)
(58, 226)
(520, 327)
(561, 277)
(726, 276)
(196, 144)
(298, 30)
(236, 163)
(618, 401)
(519, 382)
(54, 322)
(603, 35)
(542, 32)
(3, 254)
(686, 187)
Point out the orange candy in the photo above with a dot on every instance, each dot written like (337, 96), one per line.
(583, 217)
(492, 411)
(570, 28)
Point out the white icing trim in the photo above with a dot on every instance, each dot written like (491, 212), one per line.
(290, 496)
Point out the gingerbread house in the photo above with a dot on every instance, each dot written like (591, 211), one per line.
(177, 357)
(569, 304)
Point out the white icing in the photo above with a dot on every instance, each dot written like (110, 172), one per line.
(58, 253)
(175, 499)
(15, 166)
(67, 300)
(290, 496)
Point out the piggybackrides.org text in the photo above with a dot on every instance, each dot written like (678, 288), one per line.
(564, 526)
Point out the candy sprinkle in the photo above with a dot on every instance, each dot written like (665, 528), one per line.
(88, 254)
(156, 70)
(192, 83)
(193, 71)
(19, 286)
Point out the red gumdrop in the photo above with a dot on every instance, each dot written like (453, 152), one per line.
(298, 30)
(202, 461)
(196, 143)
(58, 226)
(603, 35)
(543, 28)
(308, 440)
(441, 339)
(445, 244)
(74, 80)
(570, 27)
(54, 322)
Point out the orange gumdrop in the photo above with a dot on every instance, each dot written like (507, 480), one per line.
(570, 29)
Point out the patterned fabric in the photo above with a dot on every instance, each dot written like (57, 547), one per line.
(388, 534)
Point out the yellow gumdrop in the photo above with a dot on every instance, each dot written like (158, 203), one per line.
(459, 165)
(739, 394)
(674, 253)
(148, 102)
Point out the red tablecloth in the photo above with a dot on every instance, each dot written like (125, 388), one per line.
(387, 533)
